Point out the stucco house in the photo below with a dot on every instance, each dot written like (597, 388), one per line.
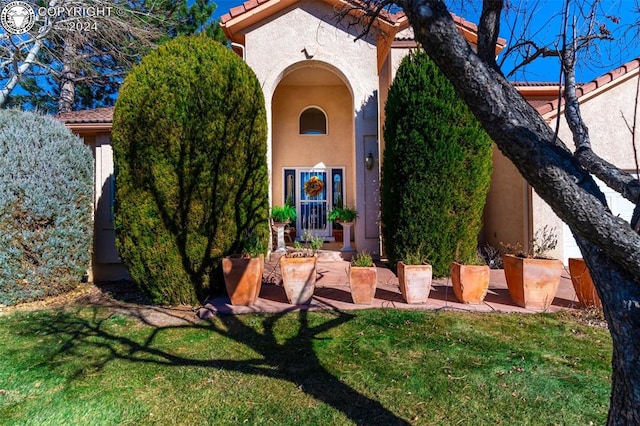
(325, 86)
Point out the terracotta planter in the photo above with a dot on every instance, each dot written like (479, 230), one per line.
(583, 284)
(415, 282)
(532, 283)
(337, 235)
(363, 281)
(243, 278)
(298, 278)
(470, 282)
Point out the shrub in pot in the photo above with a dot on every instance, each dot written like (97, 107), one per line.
(470, 280)
(343, 214)
(532, 278)
(298, 269)
(283, 214)
(414, 278)
(243, 272)
(363, 278)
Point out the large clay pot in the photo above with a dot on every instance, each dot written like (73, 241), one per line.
(298, 278)
(532, 283)
(470, 282)
(583, 284)
(243, 278)
(363, 281)
(415, 282)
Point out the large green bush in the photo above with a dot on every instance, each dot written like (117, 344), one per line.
(189, 138)
(436, 169)
(46, 194)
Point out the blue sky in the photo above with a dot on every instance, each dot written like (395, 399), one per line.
(544, 26)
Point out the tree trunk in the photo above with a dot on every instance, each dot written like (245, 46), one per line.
(67, 78)
(609, 245)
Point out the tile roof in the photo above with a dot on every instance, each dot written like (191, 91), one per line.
(593, 85)
(249, 5)
(89, 116)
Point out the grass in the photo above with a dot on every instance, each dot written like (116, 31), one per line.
(91, 366)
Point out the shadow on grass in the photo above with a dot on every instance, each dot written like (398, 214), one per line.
(293, 359)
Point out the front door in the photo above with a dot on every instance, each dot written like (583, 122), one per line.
(313, 195)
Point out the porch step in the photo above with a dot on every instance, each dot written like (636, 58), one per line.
(329, 256)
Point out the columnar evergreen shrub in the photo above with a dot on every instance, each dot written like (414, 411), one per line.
(436, 169)
(46, 195)
(189, 138)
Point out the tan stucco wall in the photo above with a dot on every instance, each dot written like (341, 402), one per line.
(506, 210)
(290, 149)
(604, 112)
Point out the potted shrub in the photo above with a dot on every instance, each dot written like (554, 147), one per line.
(298, 269)
(470, 280)
(363, 278)
(343, 214)
(282, 216)
(243, 272)
(583, 284)
(532, 277)
(345, 217)
(414, 278)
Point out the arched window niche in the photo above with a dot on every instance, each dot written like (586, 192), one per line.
(313, 121)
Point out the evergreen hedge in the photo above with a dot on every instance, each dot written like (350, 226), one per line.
(436, 169)
(189, 139)
(46, 195)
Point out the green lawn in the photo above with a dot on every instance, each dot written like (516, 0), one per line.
(88, 366)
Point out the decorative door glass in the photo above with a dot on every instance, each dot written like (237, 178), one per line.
(314, 195)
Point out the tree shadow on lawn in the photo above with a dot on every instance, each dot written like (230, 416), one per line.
(293, 360)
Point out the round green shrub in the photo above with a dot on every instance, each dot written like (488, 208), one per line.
(436, 169)
(46, 196)
(189, 139)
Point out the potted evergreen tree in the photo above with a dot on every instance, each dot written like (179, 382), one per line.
(363, 278)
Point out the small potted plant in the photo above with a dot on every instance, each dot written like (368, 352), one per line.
(343, 214)
(470, 279)
(363, 278)
(283, 214)
(532, 277)
(414, 277)
(298, 269)
(345, 217)
(243, 272)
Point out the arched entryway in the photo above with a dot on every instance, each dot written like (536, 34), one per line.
(312, 125)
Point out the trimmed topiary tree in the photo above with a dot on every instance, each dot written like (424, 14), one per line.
(46, 196)
(436, 169)
(189, 138)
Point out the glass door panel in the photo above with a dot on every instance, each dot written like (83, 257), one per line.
(313, 201)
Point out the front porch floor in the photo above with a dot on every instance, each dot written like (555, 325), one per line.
(332, 292)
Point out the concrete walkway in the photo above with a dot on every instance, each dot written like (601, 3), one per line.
(332, 292)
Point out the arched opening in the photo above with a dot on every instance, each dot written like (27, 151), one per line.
(313, 140)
